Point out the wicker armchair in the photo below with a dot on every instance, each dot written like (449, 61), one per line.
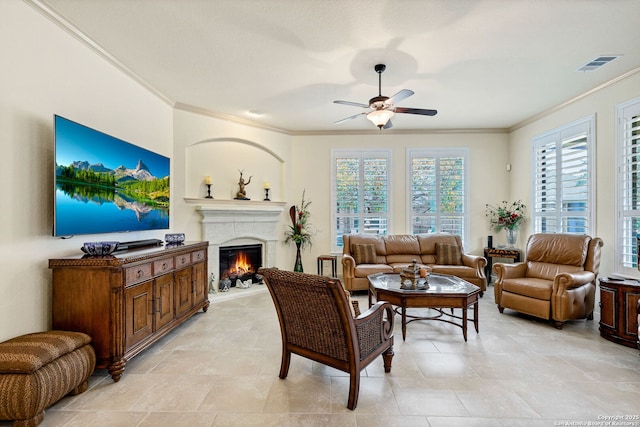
(316, 322)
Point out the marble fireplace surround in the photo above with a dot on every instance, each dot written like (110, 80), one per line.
(240, 222)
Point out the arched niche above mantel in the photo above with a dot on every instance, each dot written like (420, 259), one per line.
(222, 159)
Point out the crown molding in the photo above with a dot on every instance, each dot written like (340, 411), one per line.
(229, 117)
(572, 100)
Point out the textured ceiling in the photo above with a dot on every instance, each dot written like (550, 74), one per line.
(480, 63)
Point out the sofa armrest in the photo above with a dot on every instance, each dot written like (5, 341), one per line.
(348, 266)
(509, 271)
(564, 281)
(348, 270)
(476, 262)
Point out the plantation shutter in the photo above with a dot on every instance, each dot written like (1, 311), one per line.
(437, 197)
(361, 193)
(562, 180)
(629, 183)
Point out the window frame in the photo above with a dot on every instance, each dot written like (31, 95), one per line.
(625, 110)
(588, 123)
(438, 153)
(372, 153)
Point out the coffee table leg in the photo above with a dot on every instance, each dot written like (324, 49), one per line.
(464, 322)
(404, 323)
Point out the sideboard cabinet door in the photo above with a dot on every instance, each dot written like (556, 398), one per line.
(138, 306)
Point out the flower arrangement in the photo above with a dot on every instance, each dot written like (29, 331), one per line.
(505, 215)
(299, 231)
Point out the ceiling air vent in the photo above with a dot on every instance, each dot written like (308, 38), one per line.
(598, 62)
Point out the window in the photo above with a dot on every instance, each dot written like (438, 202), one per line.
(360, 196)
(437, 183)
(628, 183)
(563, 179)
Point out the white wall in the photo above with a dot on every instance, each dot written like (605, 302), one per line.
(209, 146)
(489, 180)
(45, 71)
(603, 104)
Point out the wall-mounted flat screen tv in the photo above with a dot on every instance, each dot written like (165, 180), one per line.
(106, 185)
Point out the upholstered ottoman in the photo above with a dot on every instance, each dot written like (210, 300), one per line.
(37, 370)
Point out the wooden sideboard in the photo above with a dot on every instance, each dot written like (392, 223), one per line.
(618, 316)
(129, 300)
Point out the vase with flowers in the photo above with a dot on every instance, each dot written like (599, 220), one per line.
(508, 217)
(299, 232)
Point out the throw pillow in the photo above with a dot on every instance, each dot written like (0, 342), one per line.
(448, 254)
(364, 253)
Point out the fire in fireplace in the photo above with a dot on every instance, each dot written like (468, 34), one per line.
(239, 263)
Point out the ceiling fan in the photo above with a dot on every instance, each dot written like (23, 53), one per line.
(382, 107)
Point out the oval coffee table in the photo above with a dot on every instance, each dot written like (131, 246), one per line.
(443, 291)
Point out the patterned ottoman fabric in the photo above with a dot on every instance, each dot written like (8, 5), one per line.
(37, 370)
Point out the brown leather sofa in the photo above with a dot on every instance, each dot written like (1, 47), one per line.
(556, 281)
(393, 253)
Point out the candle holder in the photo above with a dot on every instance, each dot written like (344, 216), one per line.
(208, 196)
(266, 195)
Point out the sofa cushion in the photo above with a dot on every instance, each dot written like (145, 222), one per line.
(461, 271)
(363, 270)
(359, 239)
(549, 271)
(402, 248)
(566, 249)
(529, 287)
(364, 253)
(448, 254)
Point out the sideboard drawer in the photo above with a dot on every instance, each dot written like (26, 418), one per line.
(182, 260)
(198, 256)
(138, 274)
(162, 266)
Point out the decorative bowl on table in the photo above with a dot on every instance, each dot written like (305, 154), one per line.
(99, 248)
(174, 238)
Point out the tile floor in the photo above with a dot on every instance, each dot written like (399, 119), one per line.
(221, 369)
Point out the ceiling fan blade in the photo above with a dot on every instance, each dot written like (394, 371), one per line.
(419, 111)
(354, 104)
(389, 125)
(403, 94)
(348, 118)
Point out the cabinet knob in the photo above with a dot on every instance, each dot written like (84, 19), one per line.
(140, 273)
(184, 259)
(164, 265)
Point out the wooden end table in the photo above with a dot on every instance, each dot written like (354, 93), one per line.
(618, 311)
(491, 253)
(444, 291)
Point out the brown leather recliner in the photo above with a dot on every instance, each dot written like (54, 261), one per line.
(556, 281)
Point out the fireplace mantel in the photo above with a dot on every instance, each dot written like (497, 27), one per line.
(236, 205)
(227, 222)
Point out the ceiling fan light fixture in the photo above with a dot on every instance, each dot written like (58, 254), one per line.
(380, 117)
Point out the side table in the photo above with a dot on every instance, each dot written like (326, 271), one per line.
(618, 311)
(491, 253)
(334, 264)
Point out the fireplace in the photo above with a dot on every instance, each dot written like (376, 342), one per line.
(240, 263)
(235, 223)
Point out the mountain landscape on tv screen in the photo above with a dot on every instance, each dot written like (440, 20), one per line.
(92, 198)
